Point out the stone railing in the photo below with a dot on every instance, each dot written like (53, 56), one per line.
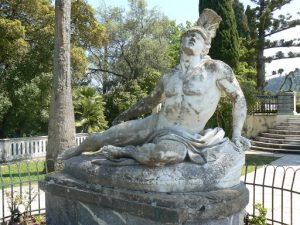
(283, 103)
(26, 148)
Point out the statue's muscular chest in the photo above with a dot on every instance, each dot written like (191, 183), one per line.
(193, 82)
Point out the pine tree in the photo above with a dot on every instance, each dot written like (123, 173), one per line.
(263, 24)
(225, 46)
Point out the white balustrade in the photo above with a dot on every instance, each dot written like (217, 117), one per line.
(26, 148)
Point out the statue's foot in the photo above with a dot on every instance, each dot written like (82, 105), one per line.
(69, 153)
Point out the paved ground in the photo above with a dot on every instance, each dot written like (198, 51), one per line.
(284, 174)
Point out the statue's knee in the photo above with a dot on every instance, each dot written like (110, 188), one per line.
(171, 151)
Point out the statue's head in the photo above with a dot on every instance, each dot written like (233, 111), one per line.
(206, 27)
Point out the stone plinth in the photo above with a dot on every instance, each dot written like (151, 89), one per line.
(287, 103)
(70, 200)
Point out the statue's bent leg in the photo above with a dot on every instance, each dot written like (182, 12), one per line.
(132, 132)
(150, 154)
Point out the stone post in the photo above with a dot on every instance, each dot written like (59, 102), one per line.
(287, 103)
(5, 148)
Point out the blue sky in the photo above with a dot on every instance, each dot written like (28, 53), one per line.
(187, 10)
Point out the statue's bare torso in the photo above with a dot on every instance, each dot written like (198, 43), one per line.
(186, 97)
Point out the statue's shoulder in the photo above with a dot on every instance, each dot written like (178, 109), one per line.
(221, 69)
(215, 65)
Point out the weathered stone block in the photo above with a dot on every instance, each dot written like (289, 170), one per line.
(74, 201)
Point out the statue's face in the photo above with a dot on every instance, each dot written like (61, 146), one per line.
(193, 43)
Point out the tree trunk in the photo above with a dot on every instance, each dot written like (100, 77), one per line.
(260, 62)
(61, 128)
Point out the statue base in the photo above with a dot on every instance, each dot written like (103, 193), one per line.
(70, 200)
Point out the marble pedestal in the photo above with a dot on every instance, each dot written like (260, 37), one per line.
(88, 201)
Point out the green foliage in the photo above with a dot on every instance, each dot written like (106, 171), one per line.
(175, 31)
(148, 80)
(138, 41)
(222, 116)
(87, 32)
(241, 19)
(79, 63)
(5, 104)
(29, 113)
(142, 45)
(225, 46)
(89, 110)
(12, 43)
(261, 218)
(245, 74)
(122, 97)
(26, 60)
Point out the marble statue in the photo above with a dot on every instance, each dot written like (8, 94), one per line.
(188, 95)
(166, 168)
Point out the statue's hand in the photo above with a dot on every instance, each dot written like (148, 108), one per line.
(241, 142)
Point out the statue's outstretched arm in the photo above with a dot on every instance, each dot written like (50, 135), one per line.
(145, 105)
(231, 87)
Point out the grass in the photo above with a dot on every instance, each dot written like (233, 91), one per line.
(258, 161)
(25, 172)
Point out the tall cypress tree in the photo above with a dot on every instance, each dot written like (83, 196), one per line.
(241, 19)
(225, 46)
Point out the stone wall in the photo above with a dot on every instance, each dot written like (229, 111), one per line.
(256, 124)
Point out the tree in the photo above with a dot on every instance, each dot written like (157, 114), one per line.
(26, 60)
(138, 46)
(263, 24)
(225, 46)
(89, 110)
(61, 130)
(241, 19)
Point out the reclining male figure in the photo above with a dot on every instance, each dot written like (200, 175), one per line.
(188, 95)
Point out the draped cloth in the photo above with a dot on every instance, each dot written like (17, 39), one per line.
(201, 148)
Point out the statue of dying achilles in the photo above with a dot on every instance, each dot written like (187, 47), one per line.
(188, 96)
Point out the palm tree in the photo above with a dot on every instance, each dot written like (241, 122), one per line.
(89, 108)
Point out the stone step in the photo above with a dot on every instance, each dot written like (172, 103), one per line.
(288, 132)
(285, 127)
(276, 145)
(280, 136)
(294, 118)
(277, 140)
(275, 150)
(290, 123)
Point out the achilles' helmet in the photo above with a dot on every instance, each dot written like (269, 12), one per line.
(207, 25)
